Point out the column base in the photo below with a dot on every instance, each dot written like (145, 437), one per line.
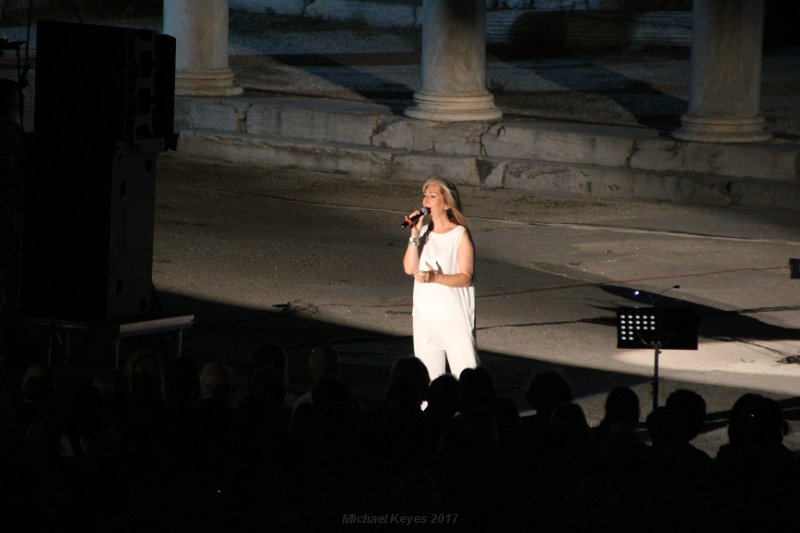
(722, 129)
(453, 108)
(206, 83)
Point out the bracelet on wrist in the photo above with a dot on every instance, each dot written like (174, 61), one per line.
(413, 241)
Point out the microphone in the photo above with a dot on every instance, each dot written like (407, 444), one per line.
(423, 211)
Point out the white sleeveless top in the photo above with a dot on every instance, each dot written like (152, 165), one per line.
(434, 300)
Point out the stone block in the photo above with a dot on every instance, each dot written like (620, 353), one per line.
(419, 167)
(425, 136)
(607, 5)
(315, 119)
(396, 14)
(281, 7)
(492, 172)
(547, 178)
(521, 4)
(768, 194)
(542, 4)
(211, 113)
(758, 160)
(681, 189)
(573, 28)
(269, 152)
(593, 182)
(562, 143)
(661, 28)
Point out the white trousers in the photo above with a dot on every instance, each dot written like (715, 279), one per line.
(437, 341)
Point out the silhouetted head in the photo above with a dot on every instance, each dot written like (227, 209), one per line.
(664, 427)
(444, 393)
(546, 391)
(756, 421)
(477, 386)
(272, 356)
(215, 381)
(323, 361)
(413, 369)
(38, 386)
(691, 408)
(35, 370)
(145, 371)
(113, 384)
(622, 405)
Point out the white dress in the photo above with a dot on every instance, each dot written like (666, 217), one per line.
(444, 317)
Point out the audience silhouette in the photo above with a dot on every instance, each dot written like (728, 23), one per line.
(323, 362)
(162, 447)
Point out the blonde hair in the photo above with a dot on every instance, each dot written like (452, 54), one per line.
(451, 197)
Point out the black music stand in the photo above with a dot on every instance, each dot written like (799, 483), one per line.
(659, 329)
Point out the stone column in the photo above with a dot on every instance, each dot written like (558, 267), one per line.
(201, 56)
(453, 63)
(725, 86)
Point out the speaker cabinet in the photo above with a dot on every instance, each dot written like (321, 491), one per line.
(104, 106)
(109, 86)
(88, 235)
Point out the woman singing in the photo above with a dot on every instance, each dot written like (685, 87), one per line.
(440, 255)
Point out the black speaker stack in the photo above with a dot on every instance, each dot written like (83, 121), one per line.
(104, 106)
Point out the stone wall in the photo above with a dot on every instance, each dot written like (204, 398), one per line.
(405, 13)
(366, 140)
(613, 24)
(297, 7)
(281, 7)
